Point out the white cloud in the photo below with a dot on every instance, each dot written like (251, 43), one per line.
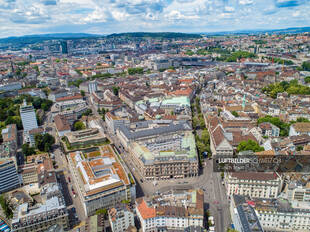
(108, 16)
(98, 15)
(245, 2)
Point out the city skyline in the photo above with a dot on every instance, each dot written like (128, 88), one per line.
(114, 16)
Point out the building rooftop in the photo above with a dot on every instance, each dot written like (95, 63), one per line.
(84, 135)
(153, 128)
(99, 172)
(9, 133)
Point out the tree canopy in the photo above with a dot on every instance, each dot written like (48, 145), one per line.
(78, 125)
(306, 66)
(249, 145)
(27, 150)
(133, 71)
(235, 113)
(44, 142)
(291, 87)
(307, 79)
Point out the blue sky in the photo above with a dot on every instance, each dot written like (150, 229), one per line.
(21, 17)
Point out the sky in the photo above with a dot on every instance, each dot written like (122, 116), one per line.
(25, 17)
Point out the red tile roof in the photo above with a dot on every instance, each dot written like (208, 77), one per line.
(145, 211)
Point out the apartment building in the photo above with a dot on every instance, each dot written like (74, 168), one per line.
(282, 215)
(9, 136)
(297, 191)
(300, 128)
(117, 117)
(263, 185)
(40, 217)
(171, 212)
(121, 218)
(10, 86)
(29, 173)
(100, 179)
(244, 217)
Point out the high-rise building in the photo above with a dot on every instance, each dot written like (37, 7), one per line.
(92, 86)
(28, 117)
(64, 47)
(9, 178)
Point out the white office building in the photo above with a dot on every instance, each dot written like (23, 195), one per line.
(92, 86)
(28, 117)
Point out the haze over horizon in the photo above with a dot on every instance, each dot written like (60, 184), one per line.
(19, 17)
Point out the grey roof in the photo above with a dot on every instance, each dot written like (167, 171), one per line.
(247, 215)
(131, 135)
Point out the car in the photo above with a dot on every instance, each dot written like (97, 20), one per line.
(69, 179)
(73, 210)
(141, 180)
(72, 189)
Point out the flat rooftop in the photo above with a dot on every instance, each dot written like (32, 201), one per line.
(186, 150)
(99, 170)
(84, 135)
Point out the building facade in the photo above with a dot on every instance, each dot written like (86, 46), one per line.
(28, 117)
(9, 178)
(100, 179)
(264, 185)
(120, 218)
(172, 213)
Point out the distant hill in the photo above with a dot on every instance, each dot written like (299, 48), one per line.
(292, 30)
(164, 35)
(29, 39)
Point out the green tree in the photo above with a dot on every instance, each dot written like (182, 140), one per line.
(235, 113)
(133, 71)
(307, 79)
(306, 65)
(189, 52)
(44, 142)
(249, 145)
(115, 90)
(101, 211)
(205, 137)
(83, 93)
(301, 119)
(87, 112)
(7, 209)
(78, 125)
(27, 150)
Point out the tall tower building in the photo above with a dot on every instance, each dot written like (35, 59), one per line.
(64, 47)
(92, 86)
(28, 117)
(9, 178)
